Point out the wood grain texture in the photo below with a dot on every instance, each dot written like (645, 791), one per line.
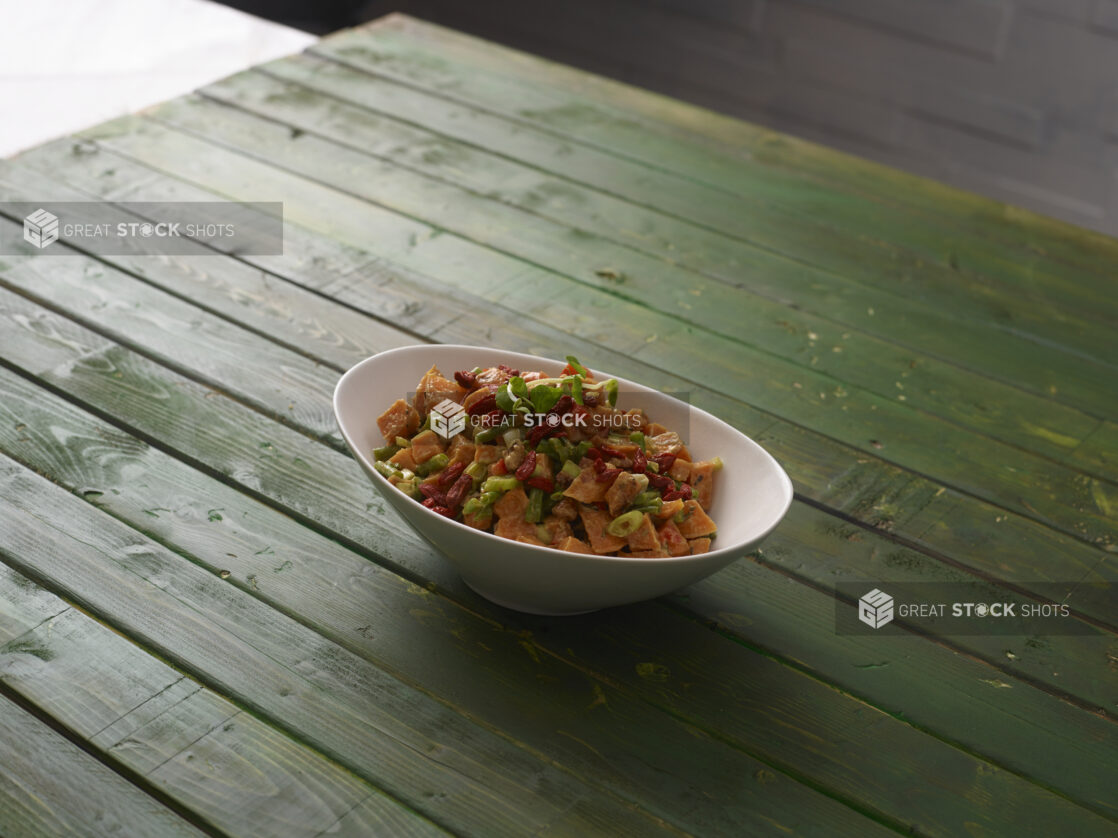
(1033, 486)
(803, 345)
(359, 606)
(459, 774)
(593, 645)
(225, 766)
(938, 316)
(188, 528)
(50, 787)
(1007, 247)
(862, 486)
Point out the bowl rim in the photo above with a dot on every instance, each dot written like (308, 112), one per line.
(783, 479)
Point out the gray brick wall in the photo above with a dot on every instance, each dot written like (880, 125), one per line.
(1015, 99)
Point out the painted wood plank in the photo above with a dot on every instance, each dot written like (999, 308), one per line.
(190, 527)
(859, 758)
(227, 767)
(50, 787)
(400, 625)
(461, 775)
(666, 133)
(763, 327)
(1032, 486)
(921, 305)
(860, 485)
(857, 484)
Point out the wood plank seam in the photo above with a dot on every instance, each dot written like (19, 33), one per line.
(134, 778)
(691, 616)
(1076, 535)
(347, 191)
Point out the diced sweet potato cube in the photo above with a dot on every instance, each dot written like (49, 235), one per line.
(595, 521)
(669, 508)
(585, 488)
(699, 545)
(655, 429)
(658, 553)
(517, 529)
(557, 529)
(479, 520)
(433, 388)
(460, 450)
(400, 419)
(574, 545)
(672, 540)
(543, 467)
(403, 459)
(683, 453)
(680, 470)
(426, 445)
(625, 487)
(667, 442)
(702, 482)
(485, 454)
(695, 522)
(644, 537)
(512, 504)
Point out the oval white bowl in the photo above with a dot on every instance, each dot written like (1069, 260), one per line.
(751, 493)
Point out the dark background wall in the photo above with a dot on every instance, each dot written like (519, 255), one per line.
(1016, 99)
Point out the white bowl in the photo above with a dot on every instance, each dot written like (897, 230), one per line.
(751, 492)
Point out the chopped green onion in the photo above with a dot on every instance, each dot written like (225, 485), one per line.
(577, 367)
(436, 463)
(625, 523)
(576, 389)
(610, 389)
(385, 452)
(571, 468)
(646, 498)
(499, 484)
(534, 511)
(403, 442)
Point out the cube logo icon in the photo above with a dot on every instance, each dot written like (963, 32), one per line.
(40, 228)
(448, 419)
(875, 609)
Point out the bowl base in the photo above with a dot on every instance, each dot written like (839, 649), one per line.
(525, 609)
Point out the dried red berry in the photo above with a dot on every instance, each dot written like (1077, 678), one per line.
(524, 471)
(466, 379)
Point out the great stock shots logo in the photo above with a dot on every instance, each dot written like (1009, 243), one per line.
(40, 228)
(448, 419)
(875, 609)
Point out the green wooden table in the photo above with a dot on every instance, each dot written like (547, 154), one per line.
(211, 623)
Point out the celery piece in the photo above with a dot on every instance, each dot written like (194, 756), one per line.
(386, 469)
(534, 511)
(499, 484)
(436, 463)
(385, 452)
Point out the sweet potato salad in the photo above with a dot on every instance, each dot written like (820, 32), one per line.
(548, 461)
